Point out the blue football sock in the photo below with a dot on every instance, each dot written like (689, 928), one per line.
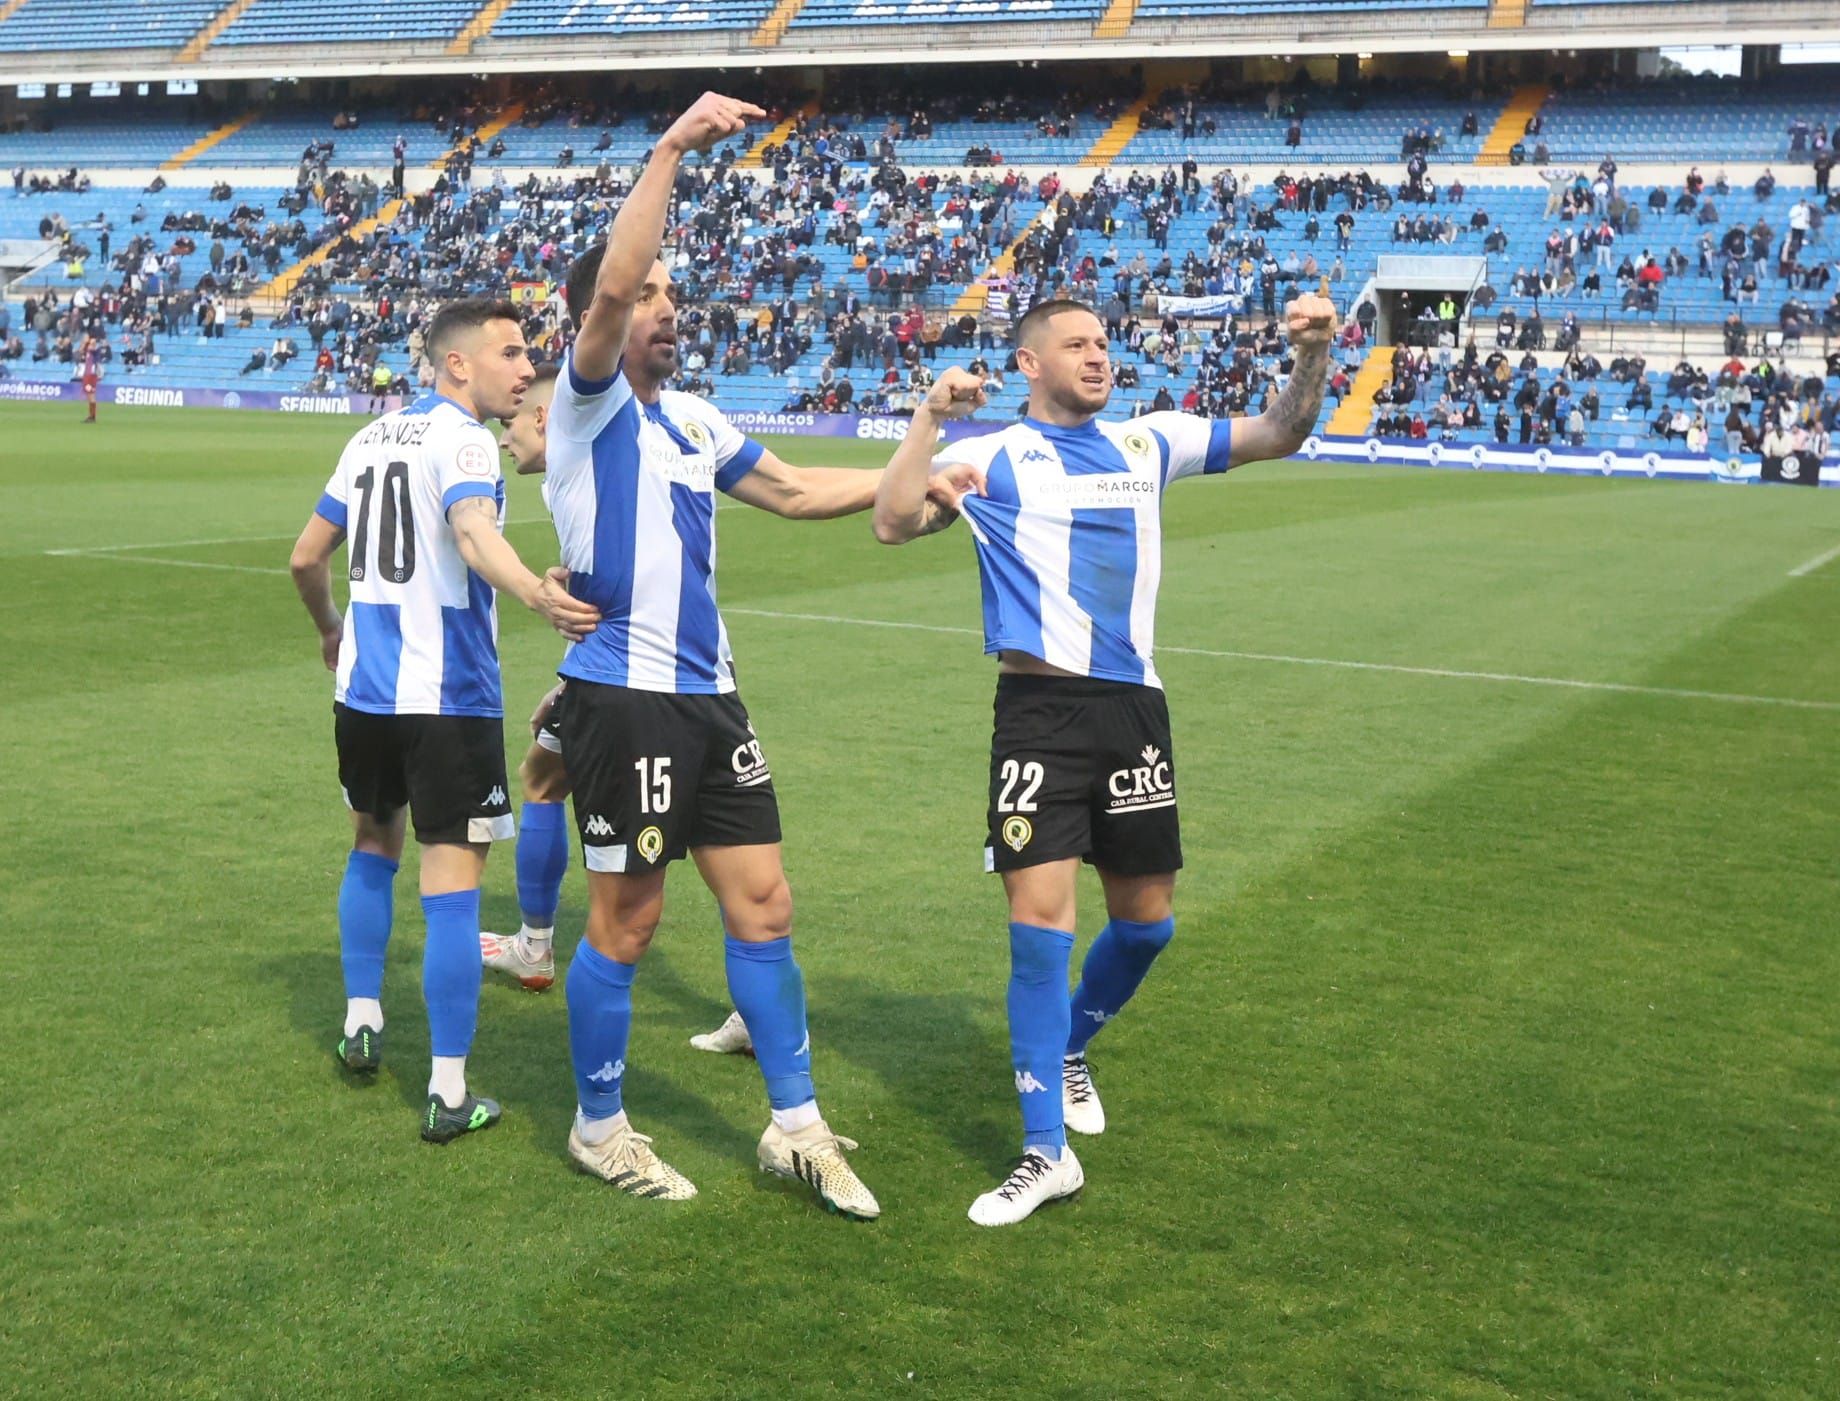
(1038, 1017)
(599, 991)
(364, 921)
(450, 970)
(542, 861)
(769, 992)
(1115, 965)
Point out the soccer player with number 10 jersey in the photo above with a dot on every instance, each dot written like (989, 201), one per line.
(417, 713)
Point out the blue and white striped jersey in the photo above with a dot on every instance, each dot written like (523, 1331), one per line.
(631, 488)
(421, 631)
(1070, 536)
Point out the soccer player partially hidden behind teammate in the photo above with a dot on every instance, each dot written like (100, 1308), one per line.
(543, 840)
(1069, 544)
(417, 713)
(659, 748)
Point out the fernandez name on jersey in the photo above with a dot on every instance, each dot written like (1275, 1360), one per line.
(421, 631)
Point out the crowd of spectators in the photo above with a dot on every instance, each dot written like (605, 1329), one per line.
(743, 244)
(1738, 407)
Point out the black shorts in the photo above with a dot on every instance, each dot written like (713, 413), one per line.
(549, 733)
(448, 770)
(1085, 768)
(655, 774)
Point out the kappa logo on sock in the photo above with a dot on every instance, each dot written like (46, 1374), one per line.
(1099, 1014)
(804, 1046)
(609, 1073)
(1027, 1084)
(598, 826)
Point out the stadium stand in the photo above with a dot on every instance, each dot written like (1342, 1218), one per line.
(825, 255)
(1658, 121)
(49, 25)
(93, 141)
(834, 13)
(290, 21)
(526, 19)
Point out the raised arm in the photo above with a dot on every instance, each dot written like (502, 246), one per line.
(474, 521)
(638, 230)
(901, 499)
(824, 493)
(1281, 429)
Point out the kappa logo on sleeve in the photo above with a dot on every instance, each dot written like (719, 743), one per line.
(474, 460)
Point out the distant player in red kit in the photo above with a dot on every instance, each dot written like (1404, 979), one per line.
(92, 373)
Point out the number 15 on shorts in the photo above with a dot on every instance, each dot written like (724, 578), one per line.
(654, 785)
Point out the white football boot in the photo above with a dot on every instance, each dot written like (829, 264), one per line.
(815, 1155)
(626, 1160)
(1080, 1105)
(1034, 1180)
(505, 953)
(729, 1039)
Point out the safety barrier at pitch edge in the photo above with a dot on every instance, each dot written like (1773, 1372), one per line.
(1557, 461)
(161, 397)
(1488, 457)
(753, 421)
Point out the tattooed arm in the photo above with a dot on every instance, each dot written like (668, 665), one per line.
(1281, 429)
(474, 521)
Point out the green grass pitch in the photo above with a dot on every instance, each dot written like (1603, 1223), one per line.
(1497, 1054)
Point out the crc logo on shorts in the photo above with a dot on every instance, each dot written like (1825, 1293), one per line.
(650, 843)
(474, 460)
(1018, 832)
(1151, 784)
(749, 763)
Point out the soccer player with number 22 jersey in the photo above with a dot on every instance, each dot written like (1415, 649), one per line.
(1069, 546)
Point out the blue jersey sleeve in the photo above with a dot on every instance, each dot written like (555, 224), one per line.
(1189, 445)
(332, 501)
(735, 453)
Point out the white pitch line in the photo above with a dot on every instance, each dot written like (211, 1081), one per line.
(213, 540)
(1448, 673)
(118, 558)
(1825, 557)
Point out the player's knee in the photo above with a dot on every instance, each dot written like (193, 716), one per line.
(543, 778)
(763, 914)
(623, 938)
(1152, 936)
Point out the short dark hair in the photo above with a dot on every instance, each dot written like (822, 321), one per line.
(584, 272)
(546, 374)
(1039, 315)
(457, 318)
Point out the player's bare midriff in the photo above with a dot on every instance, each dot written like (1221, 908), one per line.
(1027, 664)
